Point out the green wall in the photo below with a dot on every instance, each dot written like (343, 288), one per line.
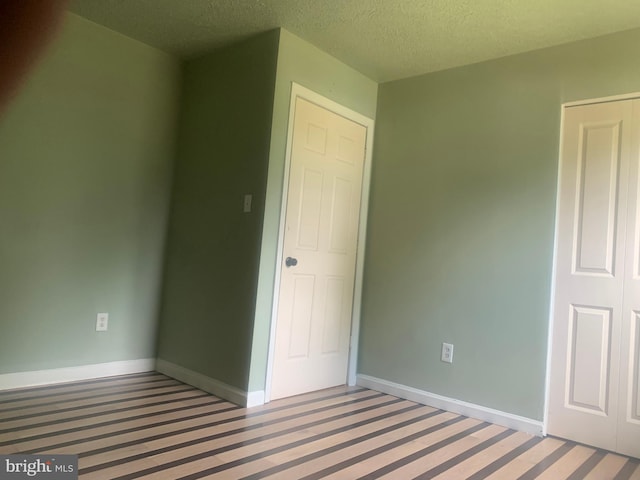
(300, 62)
(213, 247)
(460, 239)
(85, 160)
(461, 224)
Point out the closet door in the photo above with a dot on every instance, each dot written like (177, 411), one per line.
(628, 432)
(588, 313)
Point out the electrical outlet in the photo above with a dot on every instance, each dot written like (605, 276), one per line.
(102, 322)
(447, 353)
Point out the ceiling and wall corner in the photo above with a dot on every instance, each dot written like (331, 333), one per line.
(384, 39)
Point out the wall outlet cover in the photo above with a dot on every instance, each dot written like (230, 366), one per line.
(447, 353)
(102, 322)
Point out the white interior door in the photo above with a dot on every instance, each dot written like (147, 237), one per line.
(319, 255)
(628, 434)
(592, 365)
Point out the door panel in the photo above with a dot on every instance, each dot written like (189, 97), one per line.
(589, 359)
(333, 315)
(595, 239)
(628, 433)
(310, 204)
(300, 336)
(633, 406)
(594, 387)
(590, 273)
(340, 216)
(321, 232)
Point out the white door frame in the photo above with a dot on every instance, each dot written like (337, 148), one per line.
(313, 97)
(552, 297)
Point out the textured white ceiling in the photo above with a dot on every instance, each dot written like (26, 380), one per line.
(384, 39)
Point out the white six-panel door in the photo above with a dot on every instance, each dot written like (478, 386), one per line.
(629, 415)
(594, 364)
(320, 243)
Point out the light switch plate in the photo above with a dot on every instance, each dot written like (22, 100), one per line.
(247, 203)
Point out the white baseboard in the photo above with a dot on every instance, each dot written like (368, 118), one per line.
(211, 385)
(472, 410)
(10, 381)
(255, 399)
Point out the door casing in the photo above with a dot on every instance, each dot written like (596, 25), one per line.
(298, 90)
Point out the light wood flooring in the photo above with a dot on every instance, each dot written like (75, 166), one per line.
(153, 427)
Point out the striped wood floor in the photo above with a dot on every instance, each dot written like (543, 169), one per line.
(153, 427)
